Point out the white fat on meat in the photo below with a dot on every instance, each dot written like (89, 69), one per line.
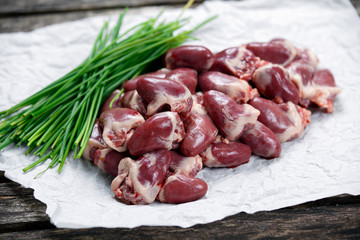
(188, 165)
(305, 91)
(237, 90)
(162, 99)
(125, 127)
(310, 57)
(129, 172)
(123, 171)
(243, 87)
(324, 93)
(92, 144)
(300, 119)
(208, 155)
(135, 97)
(197, 107)
(234, 127)
(318, 94)
(293, 51)
(175, 135)
(262, 77)
(152, 158)
(146, 191)
(237, 61)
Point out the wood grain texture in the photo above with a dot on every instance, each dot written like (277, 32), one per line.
(11, 7)
(25, 23)
(9, 189)
(28, 22)
(19, 209)
(334, 222)
(17, 16)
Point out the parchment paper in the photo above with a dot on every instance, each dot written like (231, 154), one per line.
(323, 162)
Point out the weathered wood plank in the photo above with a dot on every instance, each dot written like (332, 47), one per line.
(343, 199)
(19, 210)
(22, 212)
(30, 22)
(11, 7)
(10, 188)
(25, 221)
(19, 204)
(25, 23)
(335, 222)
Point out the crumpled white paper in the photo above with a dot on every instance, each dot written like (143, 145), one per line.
(321, 163)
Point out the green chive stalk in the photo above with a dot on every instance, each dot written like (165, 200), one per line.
(60, 117)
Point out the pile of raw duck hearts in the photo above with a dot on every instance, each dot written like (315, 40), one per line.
(205, 110)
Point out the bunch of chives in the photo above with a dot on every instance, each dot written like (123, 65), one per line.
(60, 117)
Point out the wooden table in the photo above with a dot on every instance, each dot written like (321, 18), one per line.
(24, 217)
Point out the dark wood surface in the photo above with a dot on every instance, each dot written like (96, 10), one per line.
(24, 217)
